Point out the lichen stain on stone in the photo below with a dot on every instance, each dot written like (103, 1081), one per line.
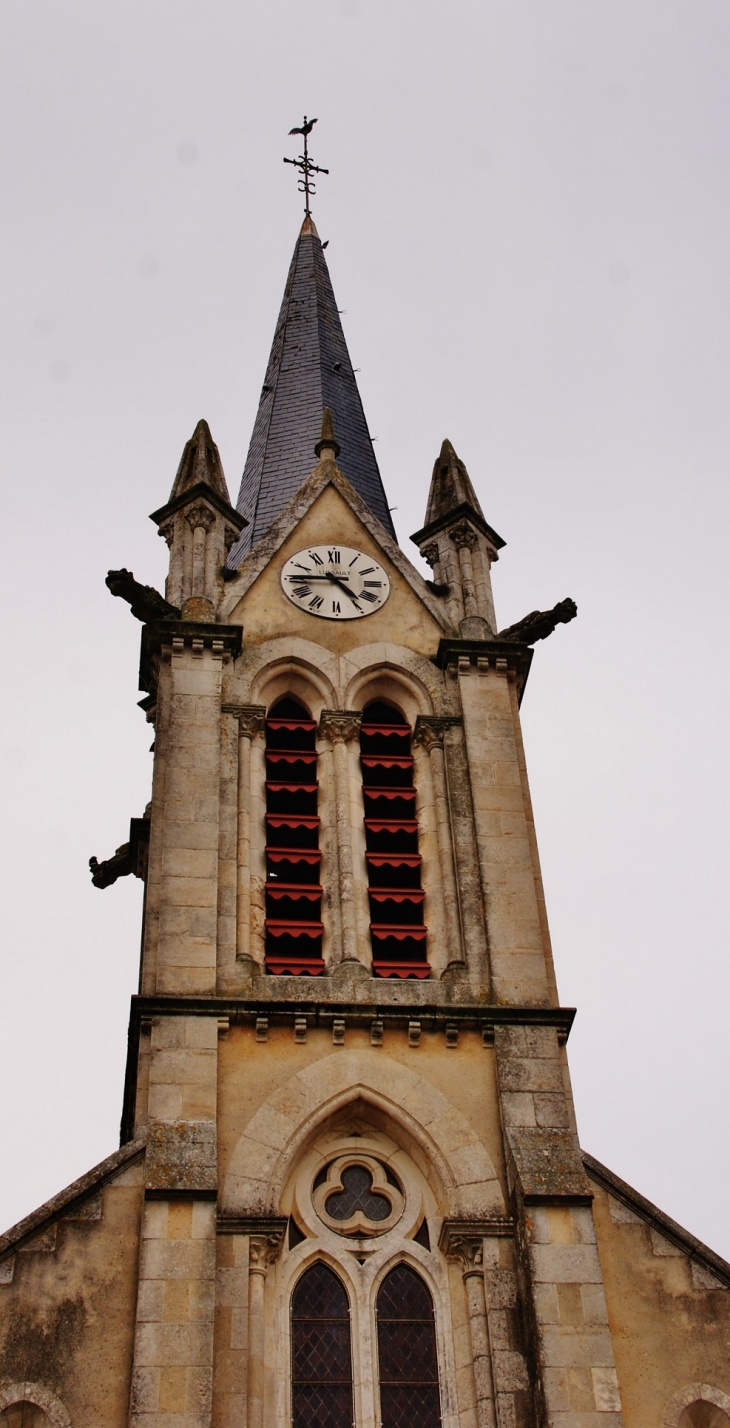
(41, 1348)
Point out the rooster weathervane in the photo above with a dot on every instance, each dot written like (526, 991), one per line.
(304, 164)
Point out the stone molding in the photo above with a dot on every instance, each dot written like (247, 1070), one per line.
(340, 726)
(694, 1393)
(271, 1142)
(40, 1396)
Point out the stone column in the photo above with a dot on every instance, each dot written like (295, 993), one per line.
(251, 719)
(464, 1243)
(465, 539)
(200, 519)
(431, 732)
(263, 1248)
(339, 726)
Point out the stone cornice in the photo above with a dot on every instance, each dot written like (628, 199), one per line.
(201, 491)
(464, 512)
(463, 1240)
(507, 657)
(286, 1004)
(267, 1230)
(223, 640)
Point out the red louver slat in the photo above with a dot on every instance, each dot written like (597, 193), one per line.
(385, 749)
(293, 944)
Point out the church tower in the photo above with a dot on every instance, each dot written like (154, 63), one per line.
(350, 1191)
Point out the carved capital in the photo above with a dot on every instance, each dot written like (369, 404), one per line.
(339, 726)
(264, 1245)
(167, 531)
(463, 1241)
(430, 730)
(230, 536)
(200, 516)
(431, 553)
(462, 534)
(251, 717)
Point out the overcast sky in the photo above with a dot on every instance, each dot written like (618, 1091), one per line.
(528, 212)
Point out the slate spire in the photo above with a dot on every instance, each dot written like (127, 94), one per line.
(309, 369)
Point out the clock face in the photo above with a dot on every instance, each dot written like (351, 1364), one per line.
(335, 582)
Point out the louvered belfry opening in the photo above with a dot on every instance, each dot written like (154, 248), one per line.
(320, 1351)
(408, 1367)
(293, 891)
(397, 931)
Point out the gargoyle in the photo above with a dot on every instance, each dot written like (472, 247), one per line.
(540, 623)
(146, 602)
(131, 857)
(106, 873)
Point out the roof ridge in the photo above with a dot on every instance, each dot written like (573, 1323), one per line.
(647, 1210)
(29, 1226)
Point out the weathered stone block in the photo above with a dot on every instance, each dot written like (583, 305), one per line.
(181, 1155)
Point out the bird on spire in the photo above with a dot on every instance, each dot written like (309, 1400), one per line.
(304, 164)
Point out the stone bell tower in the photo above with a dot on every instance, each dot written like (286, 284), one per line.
(350, 1191)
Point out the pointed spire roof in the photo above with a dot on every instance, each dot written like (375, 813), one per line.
(200, 462)
(309, 369)
(450, 486)
(200, 475)
(452, 496)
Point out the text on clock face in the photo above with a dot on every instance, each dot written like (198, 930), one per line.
(335, 582)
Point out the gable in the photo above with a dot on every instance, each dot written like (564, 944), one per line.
(266, 613)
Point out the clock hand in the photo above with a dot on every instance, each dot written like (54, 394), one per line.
(343, 586)
(328, 576)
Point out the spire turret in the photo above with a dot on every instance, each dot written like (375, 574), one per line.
(200, 525)
(309, 369)
(460, 546)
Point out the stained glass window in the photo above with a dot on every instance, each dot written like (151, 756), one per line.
(357, 1194)
(409, 1388)
(321, 1359)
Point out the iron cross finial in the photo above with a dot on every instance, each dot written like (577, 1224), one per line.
(304, 164)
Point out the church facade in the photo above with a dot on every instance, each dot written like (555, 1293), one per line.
(350, 1191)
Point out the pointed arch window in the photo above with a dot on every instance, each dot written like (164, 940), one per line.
(293, 890)
(397, 931)
(407, 1363)
(321, 1351)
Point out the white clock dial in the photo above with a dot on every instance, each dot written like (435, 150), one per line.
(335, 582)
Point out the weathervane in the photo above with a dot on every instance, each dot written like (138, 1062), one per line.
(305, 165)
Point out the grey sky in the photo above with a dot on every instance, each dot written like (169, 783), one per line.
(528, 212)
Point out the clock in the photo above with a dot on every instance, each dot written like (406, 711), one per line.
(335, 582)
